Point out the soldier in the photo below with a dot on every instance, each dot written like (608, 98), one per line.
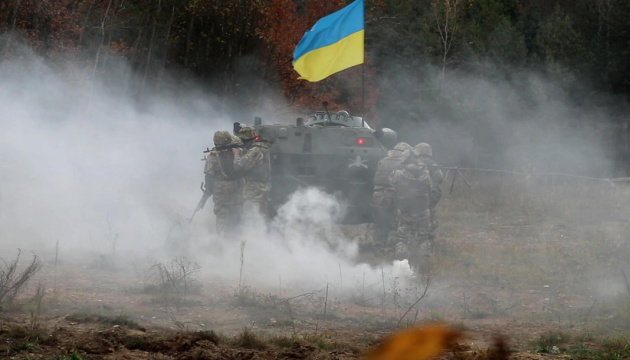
(424, 154)
(412, 185)
(225, 184)
(255, 165)
(384, 196)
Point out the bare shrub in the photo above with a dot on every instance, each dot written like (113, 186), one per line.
(120, 320)
(12, 280)
(249, 340)
(175, 280)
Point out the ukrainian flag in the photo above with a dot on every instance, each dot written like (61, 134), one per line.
(333, 44)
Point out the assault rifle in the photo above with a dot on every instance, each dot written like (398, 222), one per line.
(207, 189)
(225, 147)
(222, 148)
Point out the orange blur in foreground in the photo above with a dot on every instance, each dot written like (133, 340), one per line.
(421, 343)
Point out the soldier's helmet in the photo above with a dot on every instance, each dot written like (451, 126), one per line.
(423, 149)
(222, 137)
(402, 146)
(247, 133)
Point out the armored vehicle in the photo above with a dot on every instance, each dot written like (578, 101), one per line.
(335, 152)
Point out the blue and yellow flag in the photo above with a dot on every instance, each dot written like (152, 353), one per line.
(333, 44)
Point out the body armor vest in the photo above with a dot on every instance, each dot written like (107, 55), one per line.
(260, 173)
(412, 190)
(386, 166)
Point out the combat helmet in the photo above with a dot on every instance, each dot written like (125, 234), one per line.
(402, 146)
(401, 150)
(247, 133)
(222, 138)
(423, 149)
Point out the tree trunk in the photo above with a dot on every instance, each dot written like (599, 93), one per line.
(150, 50)
(166, 48)
(85, 20)
(110, 30)
(14, 15)
(188, 36)
(98, 50)
(447, 33)
(133, 59)
(13, 21)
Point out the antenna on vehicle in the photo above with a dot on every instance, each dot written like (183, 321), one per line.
(325, 105)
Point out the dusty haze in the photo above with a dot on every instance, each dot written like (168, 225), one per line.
(529, 120)
(88, 171)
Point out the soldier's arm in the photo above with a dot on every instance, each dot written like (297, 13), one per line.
(208, 171)
(212, 163)
(393, 177)
(437, 176)
(253, 158)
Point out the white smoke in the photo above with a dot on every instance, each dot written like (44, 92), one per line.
(89, 172)
(91, 169)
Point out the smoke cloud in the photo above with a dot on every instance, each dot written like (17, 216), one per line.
(87, 168)
(524, 120)
(90, 172)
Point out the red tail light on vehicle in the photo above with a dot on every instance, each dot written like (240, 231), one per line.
(365, 141)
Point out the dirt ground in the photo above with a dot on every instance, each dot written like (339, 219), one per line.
(527, 270)
(98, 315)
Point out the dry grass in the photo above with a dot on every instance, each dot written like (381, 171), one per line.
(540, 249)
(527, 232)
(543, 259)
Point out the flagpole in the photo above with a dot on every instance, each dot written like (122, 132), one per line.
(363, 94)
(363, 75)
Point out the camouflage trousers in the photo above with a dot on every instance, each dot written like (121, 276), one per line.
(383, 213)
(257, 195)
(411, 230)
(433, 222)
(412, 241)
(228, 217)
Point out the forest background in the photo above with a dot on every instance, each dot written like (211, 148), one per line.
(418, 52)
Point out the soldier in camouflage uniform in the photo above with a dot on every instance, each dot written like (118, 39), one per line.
(255, 165)
(226, 185)
(384, 196)
(423, 153)
(236, 140)
(412, 185)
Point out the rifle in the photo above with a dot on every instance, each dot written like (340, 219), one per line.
(225, 147)
(207, 189)
(221, 148)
